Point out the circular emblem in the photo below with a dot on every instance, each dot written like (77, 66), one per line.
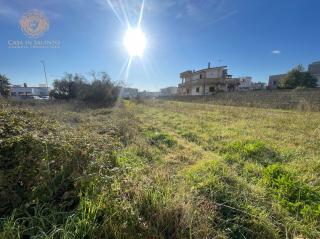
(34, 24)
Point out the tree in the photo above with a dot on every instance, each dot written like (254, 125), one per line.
(4, 86)
(298, 77)
(68, 87)
(101, 91)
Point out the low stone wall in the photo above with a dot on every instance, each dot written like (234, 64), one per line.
(300, 99)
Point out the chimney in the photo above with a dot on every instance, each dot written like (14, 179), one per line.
(209, 65)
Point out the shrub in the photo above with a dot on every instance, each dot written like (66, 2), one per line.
(99, 92)
(35, 167)
(4, 86)
(297, 77)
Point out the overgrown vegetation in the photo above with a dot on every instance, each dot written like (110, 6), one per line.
(298, 77)
(99, 91)
(4, 86)
(158, 170)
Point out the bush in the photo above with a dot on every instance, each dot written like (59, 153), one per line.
(36, 167)
(4, 86)
(297, 77)
(100, 92)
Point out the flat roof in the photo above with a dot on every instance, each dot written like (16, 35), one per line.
(205, 69)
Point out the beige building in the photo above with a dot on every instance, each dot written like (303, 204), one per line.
(274, 81)
(207, 81)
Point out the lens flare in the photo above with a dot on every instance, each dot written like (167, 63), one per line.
(135, 42)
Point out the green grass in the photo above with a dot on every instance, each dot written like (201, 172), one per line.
(158, 169)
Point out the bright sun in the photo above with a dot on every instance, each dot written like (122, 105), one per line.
(135, 42)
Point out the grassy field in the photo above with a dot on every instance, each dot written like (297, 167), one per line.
(301, 99)
(158, 169)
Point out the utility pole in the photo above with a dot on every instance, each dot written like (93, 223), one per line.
(45, 72)
(45, 75)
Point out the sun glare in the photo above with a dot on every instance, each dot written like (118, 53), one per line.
(135, 42)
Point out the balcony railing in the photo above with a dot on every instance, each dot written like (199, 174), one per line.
(210, 81)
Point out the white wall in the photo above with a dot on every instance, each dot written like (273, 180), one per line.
(39, 91)
(207, 87)
(21, 90)
(245, 83)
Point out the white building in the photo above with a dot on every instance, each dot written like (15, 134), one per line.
(129, 93)
(169, 91)
(40, 91)
(245, 83)
(259, 86)
(207, 81)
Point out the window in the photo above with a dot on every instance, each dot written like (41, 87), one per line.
(200, 76)
(211, 89)
(188, 91)
(198, 89)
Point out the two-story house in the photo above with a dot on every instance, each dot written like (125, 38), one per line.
(207, 81)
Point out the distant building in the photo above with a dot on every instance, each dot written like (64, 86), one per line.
(207, 81)
(245, 83)
(129, 93)
(314, 69)
(258, 86)
(169, 91)
(149, 94)
(29, 92)
(274, 81)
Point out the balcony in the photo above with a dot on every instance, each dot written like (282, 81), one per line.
(209, 82)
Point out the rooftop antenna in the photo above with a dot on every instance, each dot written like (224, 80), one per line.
(45, 72)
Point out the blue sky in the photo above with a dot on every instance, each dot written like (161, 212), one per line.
(252, 37)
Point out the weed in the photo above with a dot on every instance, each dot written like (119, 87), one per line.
(255, 151)
(297, 197)
(160, 139)
(69, 171)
